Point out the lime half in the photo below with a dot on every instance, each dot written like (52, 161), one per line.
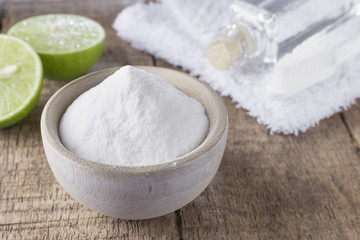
(68, 45)
(20, 79)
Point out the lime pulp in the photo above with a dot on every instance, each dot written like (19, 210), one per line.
(20, 79)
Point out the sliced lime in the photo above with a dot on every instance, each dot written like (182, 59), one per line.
(20, 79)
(68, 45)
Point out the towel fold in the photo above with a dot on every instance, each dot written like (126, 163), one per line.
(178, 31)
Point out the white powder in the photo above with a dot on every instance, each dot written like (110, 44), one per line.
(133, 119)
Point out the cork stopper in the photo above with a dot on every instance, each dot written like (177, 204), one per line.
(223, 52)
(237, 42)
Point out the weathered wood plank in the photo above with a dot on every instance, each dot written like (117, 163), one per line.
(280, 187)
(352, 119)
(32, 204)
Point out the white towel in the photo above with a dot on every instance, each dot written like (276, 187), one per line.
(178, 31)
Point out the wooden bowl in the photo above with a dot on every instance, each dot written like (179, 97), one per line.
(130, 192)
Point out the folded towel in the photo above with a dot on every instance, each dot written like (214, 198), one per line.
(178, 31)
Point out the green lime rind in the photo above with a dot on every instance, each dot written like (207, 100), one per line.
(69, 66)
(20, 91)
(68, 45)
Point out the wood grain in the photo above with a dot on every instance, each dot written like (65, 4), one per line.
(267, 187)
(280, 187)
(272, 187)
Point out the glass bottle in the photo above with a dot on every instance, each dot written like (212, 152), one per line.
(253, 33)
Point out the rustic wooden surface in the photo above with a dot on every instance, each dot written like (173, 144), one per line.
(267, 187)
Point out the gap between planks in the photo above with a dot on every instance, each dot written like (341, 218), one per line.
(3, 10)
(351, 135)
(179, 224)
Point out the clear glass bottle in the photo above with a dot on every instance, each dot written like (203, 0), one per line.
(253, 33)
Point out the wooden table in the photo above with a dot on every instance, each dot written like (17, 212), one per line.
(267, 187)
